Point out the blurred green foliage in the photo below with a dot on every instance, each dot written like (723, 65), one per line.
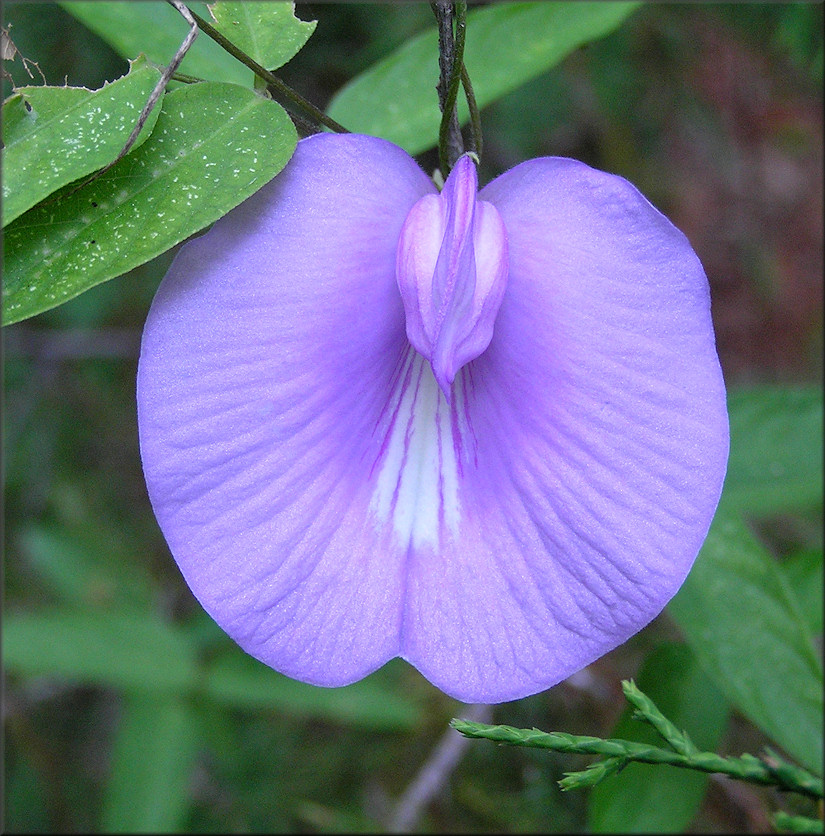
(233, 746)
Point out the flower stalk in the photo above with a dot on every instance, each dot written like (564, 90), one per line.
(450, 61)
(453, 74)
(476, 144)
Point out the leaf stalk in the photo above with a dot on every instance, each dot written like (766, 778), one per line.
(274, 84)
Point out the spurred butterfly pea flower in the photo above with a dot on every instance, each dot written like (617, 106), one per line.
(485, 432)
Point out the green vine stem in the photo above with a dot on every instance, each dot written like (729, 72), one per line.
(450, 61)
(770, 770)
(475, 116)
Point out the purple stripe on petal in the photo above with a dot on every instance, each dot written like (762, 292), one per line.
(416, 486)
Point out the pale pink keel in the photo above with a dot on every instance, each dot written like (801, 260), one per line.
(452, 273)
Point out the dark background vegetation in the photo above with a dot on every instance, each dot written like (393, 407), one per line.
(714, 111)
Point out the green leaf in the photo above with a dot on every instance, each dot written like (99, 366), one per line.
(636, 801)
(786, 823)
(23, 793)
(507, 45)
(86, 566)
(106, 648)
(241, 682)
(157, 30)
(803, 571)
(213, 146)
(55, 135)
(743, 623)
(267, 32)
(775, 460)
(152, 760)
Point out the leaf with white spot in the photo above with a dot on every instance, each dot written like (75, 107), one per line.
(54, 135)
(214, 145)
(267, 32)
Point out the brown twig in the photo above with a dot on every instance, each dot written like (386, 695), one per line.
(434, 773)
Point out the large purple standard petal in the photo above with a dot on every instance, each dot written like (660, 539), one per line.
(331, 508)
(266, 359)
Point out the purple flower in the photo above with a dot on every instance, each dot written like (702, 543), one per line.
(483, 432)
